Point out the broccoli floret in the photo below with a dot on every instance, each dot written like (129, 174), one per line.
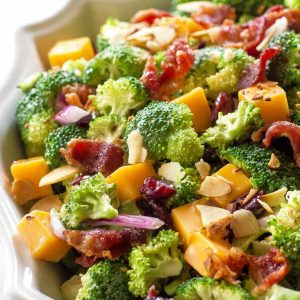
(57, 139)
(277, 292)
(187, 188)
(107, 128)
(285, 228)
(292, 3)
(107, 280)
(30, 82)
(295, 116)
(159, 258)
(116, 61)
(77, 66)
(120, 97)
(210, 289)
(285, 66)
(167, 132)
(292, 95)
(217, 69)
(233, 127)
(112, 31)
(253, 160)
(35, 110)
(92, 199)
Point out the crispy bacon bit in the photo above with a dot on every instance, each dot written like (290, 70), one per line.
(153, 294)
(104, 243)
(81, 90)
(237, 260)
(268, 269)
(93, 156)
(86, 261)
(179, 61)
(285, 129)
(149, 15)
(211, 15)
(217, 230)
(255, 73)
(224, 103)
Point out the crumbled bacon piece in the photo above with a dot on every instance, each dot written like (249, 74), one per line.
(268, 269)
(149, 15)
(179, 61)
(86, 261)
(285, 129)
(81, 90)
(255, 72)
(211, 15)
(153, 294)
(104, 243)
(224, 103)
(93, 156)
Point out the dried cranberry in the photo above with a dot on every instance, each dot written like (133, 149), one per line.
(224, 103)
(157, 189)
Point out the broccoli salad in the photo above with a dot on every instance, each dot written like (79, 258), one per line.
(163, 160)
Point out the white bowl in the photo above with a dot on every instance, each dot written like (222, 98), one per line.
(22, 277)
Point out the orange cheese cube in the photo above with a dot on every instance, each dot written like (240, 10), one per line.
(240, 184)
(70, 50)
(196, 254)
(187, 220)
(35, 230)
(130, 178)
(47, 203)
(198, 104)
(270, 98)
(27, 174)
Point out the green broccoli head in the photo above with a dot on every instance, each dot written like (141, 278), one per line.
(285, 228)
(292, 94)
(253, 160)
(77, 66)
(210, 289)
(107, 128)
(158, 259)
(295, 116)
(217, 69)
(30, 82)
(277, 292)
(187, 188)
(106, 280)
(292, 3)
(58, 138)
(92, 199)
(284, 67)
(112, 31)
(233, 127)
(120, 97)
(167, 132)
(115, 61)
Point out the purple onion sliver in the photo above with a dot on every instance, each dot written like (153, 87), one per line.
(131, 221)
(85, 121)
(56, 225)
(70, 115)
(78, 179)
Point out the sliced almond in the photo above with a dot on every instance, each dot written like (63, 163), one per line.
(250, 195)
(23, 191)
(211, 214)
(59, 174)
(266, 206)
(194, 6)
(214, 186)
(47, 203)
(275, 198)
(203, 168)
(172, 171)
(208, 32)
(164, 35)
(136, 152)
(228, 55)
(274, 162)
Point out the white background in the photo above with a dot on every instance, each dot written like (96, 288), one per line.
(13, 15)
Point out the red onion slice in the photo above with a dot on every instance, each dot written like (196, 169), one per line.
(70, 115)
(132, 221)
(56, 225)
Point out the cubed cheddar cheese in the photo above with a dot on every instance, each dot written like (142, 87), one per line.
(186, 220)
(47, 203)
(34, 229)
(27, 174)
(70, 50)
(270, 98)
(198, 104)
(130, 178)
(196, 254)
(240, 184)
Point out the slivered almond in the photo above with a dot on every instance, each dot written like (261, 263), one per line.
(258, 135)
(209, 31)
(194, 6)
(274, 162)
(172, 171)
(221, 177)
(47, 203)
(136, 152)
(250, 195)
(203, 168)
(22, 190)
(275, 198)
(228, 55)
(266, 206)
(59, 174)
(214, 186)
(297, 106)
